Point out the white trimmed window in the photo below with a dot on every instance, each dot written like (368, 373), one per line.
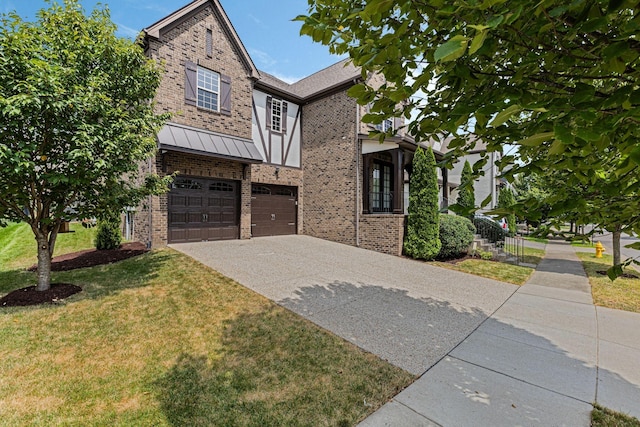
(276, 115)
(386, 125)
(208, 89)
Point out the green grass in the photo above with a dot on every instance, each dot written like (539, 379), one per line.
(162, 340)
(621, 294)
(530, 256)
(603, 417)
(537, 240)
(504, 272)
(582, 244)
(18, 245)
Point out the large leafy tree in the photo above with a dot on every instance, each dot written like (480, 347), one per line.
(423, 228)
(76, 119)
(553, 77)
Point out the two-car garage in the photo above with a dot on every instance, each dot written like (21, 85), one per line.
(203, 209)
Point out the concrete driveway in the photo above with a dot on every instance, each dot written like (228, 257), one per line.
(404, 311)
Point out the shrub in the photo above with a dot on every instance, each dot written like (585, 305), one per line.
(108, 235)
(422, 240)
(455, 235)
(506, 200)
(466, 196)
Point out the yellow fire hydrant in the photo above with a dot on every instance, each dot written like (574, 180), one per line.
(599, 250)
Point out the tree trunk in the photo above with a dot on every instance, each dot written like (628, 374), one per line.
(44, 264)
(616, 245)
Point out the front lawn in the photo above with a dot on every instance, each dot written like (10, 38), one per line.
(163, 340)
(603, 417)
(622, 294)
(504, 272)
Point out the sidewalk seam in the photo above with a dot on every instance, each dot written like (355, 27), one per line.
(521, 380)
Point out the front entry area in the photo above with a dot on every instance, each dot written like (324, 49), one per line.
(202, 209)
(273, 210)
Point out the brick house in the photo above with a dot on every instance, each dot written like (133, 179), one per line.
(255, 156)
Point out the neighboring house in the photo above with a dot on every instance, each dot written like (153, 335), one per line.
(255, 156)
(487, 184)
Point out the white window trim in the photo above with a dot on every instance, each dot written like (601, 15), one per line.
(386, 125)
(201, 88)
(276, 113)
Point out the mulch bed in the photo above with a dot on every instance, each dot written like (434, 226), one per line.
(93, 257)
(29, 295)
(623, 275)
(59, 291)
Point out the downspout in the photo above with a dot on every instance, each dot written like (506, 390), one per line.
(150, 241)
(358, 151)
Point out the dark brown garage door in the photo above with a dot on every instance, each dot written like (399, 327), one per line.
(203, 209)
(273, 210)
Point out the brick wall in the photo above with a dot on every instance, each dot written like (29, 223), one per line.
(329, 159)
(186, 42)
(382, 233)
(177, 45)
(291, 177)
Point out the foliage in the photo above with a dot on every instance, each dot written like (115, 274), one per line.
(506, 201)
(76, 121)
(242, 361)
(485, 267)
(605, 417)
(422, 240)
(16, 247)
(621, 294)
(455, 235)
(109, 235)
(560, 80)
(466, 196)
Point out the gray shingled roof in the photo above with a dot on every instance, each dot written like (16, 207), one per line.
(331, 77)
(198, 141)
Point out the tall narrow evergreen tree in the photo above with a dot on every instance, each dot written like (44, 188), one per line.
(423, 229)
(466, 196)
(506, 199)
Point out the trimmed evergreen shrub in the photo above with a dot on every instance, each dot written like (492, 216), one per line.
(506, 199)
(109, 235)
(422, 240)
(456, 235)
(466, 196)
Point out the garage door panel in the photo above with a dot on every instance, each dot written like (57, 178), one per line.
(178, 200)
(273, 210)
(203, 209)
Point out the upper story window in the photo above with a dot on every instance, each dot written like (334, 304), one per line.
(385, 126)
(276, 114)
(208, 89)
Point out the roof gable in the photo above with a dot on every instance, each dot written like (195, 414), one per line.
(170, 21)
(338, 75)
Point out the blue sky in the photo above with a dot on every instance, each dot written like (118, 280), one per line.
(264, 26)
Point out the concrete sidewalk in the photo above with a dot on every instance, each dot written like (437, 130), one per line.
(541, 359)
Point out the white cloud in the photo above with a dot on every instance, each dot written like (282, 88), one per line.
(263, 59)
(255, 19)
(286, 79)
(125, 31)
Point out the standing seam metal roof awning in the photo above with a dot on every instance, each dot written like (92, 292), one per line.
(199, 141)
